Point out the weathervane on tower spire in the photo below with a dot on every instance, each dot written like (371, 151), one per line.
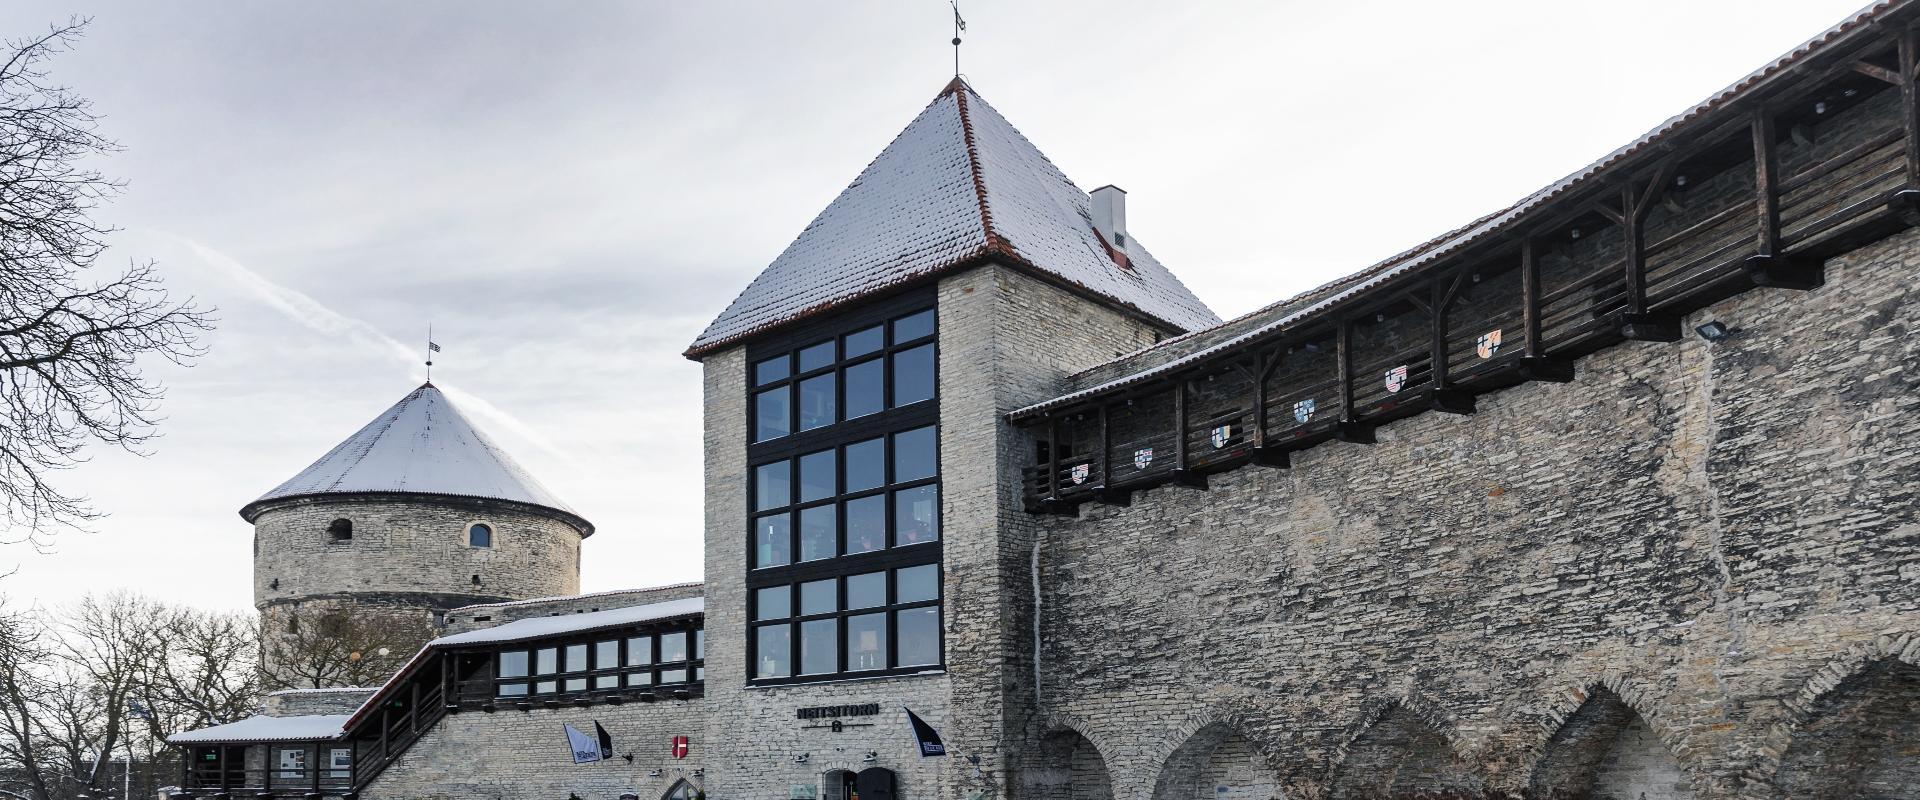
(958, 26)
(431, 349)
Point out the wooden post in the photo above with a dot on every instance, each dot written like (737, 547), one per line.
(1180, 424)
(1909, 54)
(1106, 449)
(1530, 297)
(220, 762)
(1638, 323)
(1444, 397)
(1348, 429)
(1770, 265)
(1053, 458)
(1261, 366)
(413, 710)
(315, 766)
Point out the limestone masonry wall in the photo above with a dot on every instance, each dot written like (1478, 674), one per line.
(1689, 573)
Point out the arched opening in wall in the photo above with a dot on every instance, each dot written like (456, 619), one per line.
(680, 790)
(341, 529)
(1066, 767)
(1605, 751)
(1860, 740)
(1217, 763)
(1402, 757)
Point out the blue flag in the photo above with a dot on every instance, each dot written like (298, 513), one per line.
(925, 736)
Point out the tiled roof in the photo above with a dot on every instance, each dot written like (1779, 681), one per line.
(958, 186)
(1178, 353)
(422, 445)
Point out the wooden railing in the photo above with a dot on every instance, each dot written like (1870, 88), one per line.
(1756, 200)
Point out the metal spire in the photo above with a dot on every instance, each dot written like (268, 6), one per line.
(958, 26)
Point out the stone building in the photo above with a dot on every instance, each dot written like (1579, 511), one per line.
(1608, 494)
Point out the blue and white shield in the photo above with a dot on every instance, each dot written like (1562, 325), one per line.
(1142, 457)
(1397, 378)
(1303, 411)
(1221, 435)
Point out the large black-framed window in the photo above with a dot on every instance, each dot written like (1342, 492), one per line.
(617, 660)
(843, 501)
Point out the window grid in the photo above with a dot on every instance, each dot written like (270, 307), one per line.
(616, 661)
(895, 654)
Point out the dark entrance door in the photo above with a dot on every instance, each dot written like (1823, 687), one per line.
(875, 784)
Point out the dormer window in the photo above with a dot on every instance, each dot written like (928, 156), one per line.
(479, 534)
(341, 529)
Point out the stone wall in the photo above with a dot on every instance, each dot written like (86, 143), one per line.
(301, 702)
(519, 755)
(1721, 539)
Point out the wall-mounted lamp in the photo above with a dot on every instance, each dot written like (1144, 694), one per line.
(1820, 108)
(699, 772)
(628, 757)
(1713, 331)
(654, 774)
(871, 757)
(1574, 234)
(973, 758)
(803, 758)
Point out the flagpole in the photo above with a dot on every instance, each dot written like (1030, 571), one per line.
(429, 352)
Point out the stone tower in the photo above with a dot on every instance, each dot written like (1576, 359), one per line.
(416, 513)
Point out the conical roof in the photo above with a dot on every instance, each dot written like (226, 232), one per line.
(957, 187)
(422, 445)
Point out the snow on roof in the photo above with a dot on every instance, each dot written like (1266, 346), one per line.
(269, 729)
(560, 598)
(422, 445)
(541, 627)
(959, 184)
(1291, 313)
(325, 690)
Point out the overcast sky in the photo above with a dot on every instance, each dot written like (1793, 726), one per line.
(570, 192)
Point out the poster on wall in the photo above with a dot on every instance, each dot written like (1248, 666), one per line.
(293, 763)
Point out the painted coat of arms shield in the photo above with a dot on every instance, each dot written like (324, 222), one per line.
(1303, 411)
(1142, 457)
(1079, 473)
(1221, 435)
(1488, 344)
(1397, 378)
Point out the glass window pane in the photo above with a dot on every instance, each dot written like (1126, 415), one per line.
(700, 643)
(772, 541)
(644, 678)
(913, 375)
(606, 682)
(817, 356)
(773, 602)
(818, 475)
(867, 642)
(770, 410)
(860, 343)
(772, 485)
(913, 326)
(816, 402)
(914, 455)
(817, 533)
(914, 584)
(546, 661)
(770, 370)
(576, 684)
(576, 658)
(866, 524)
(867, 591)
(919, 631)
(513, 690)
(480, 536)
(673, 647)
(819, 650)
(916, 515)
(818, 597)
(866, 388)
(606, 655)
(866, 464)
(639, 651)
(673, 676)
(773, 651)
(545, 687)
(513, 664)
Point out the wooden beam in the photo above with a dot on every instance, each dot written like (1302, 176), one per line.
(1637, 323)
(1053, 459)
(1183, 474)
(1876, 72)
(1770, 265)
(1349, 429)
(1530, 297)
(1908, 53)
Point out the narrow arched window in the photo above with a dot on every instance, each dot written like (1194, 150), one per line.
(341, 529)
(479, 534)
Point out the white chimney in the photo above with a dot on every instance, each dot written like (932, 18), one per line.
(1110, 216)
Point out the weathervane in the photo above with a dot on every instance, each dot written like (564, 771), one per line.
(958, 26)
(431, 349)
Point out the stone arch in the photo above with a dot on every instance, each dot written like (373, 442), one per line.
(681, 790)
(1854, 729)
(1068, 765)
(1215, 760)
(1605, 748)
(1403, 749)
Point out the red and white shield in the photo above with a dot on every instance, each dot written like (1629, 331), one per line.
(1079, 473)
(1488, 344)
(1397, 378)
(680, 747)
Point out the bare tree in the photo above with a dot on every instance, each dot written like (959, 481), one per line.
(70, 339)
(110, 644)
(25, 664)
(206, 671)
(321, 649)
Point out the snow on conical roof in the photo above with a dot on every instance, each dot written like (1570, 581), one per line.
(957, 187)
(422, 445)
